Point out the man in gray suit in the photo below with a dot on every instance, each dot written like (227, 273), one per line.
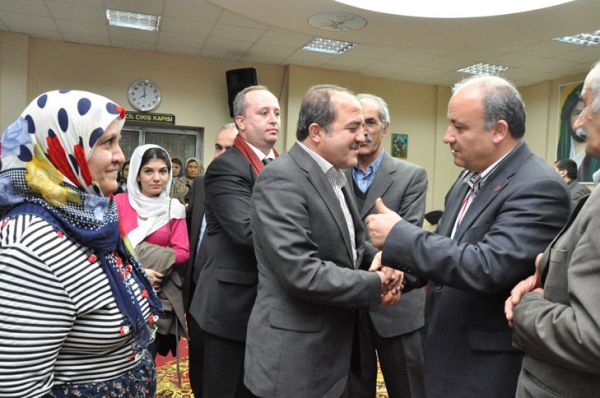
(567, 169)
(555, 313)
(312, 259)
(504, 208)
(394, 331)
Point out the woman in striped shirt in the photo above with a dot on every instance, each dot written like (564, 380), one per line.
(76, 308)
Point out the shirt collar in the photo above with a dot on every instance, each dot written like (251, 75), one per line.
(261, 155)
(373, 167)
(335, 176)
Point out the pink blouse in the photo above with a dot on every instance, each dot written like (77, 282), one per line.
(174, 234)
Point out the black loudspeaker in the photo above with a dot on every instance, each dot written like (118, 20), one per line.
(237, 80)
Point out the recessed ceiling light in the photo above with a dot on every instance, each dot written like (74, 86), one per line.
(328, 46)
(452, 9)
(337, 21)
(132, 20)
(484, 69)
(581, 39)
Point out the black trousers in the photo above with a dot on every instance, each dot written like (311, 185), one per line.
(400, 358)
(216, 365)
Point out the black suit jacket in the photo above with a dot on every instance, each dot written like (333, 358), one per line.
(226, 287)
(468, 344)
(195, 214)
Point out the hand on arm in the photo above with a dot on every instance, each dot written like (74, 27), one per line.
(527, 285)
(379, 225)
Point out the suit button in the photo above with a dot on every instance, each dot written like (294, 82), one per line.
(438, 287)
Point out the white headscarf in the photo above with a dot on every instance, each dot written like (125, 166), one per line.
(152, 212)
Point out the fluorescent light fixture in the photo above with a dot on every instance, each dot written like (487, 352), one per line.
(328, 46)
(132, 20)
(452, 9)
(484, 69)
(581, 39)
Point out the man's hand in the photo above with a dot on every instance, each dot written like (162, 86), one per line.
(527, 285)
(391, 284)
(379, 225)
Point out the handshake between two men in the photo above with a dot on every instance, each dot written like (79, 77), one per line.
(378, 226)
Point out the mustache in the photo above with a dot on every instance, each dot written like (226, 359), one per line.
(368, 139)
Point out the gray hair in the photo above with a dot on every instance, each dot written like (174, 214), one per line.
(239, 103)
(384, 113)
(228, 126)
(317, 108)
(501, 101)
(592, 82)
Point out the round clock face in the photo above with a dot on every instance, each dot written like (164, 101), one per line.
(144, 95)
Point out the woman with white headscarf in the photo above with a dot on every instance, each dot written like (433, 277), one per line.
(76, 309)
(155, 226)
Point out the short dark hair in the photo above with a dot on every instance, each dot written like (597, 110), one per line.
(317, 108)
(569, 165)
(501, 101)
(155, 153)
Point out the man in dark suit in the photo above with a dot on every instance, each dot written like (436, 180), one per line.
(504, 209)
(395, 332)
(226, 286)
(555, 313)
(312, 258)
(197, 224)
(567, 169)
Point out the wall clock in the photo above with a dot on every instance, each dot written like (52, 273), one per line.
(143, 95)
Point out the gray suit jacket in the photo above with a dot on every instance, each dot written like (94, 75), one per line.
(403, 188)
(301, 328)
(468, 344)
(577, 191)
(560, 331)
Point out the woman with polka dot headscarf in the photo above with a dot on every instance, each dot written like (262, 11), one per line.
(76, 308)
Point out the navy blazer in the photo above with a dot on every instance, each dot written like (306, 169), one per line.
(468, 348)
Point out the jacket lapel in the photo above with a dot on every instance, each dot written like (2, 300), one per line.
(317, 178)
(381, 183)
(499, 180)
(452, 204)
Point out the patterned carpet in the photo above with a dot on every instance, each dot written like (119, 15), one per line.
(166, 373)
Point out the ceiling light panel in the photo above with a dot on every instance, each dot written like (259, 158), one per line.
(484, 69)
(328, 46)
(132, 20)
(581, 39)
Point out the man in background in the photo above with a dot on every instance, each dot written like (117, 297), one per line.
(226, 286)
(197, 224)
(394, 332)
(567, 169)
(505, 207)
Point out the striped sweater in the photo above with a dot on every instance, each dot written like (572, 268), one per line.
(59, 322)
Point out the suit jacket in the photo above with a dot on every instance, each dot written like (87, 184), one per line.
(513, 217)
(560, 331)
(403, 188)
(195, 214)
(226, 286)
(577, 191)
(301, 329)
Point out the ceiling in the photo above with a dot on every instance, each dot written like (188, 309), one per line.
(274, 31)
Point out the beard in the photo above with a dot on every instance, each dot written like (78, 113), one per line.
(579, 135)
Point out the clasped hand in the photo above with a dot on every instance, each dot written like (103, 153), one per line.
(391, 281)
